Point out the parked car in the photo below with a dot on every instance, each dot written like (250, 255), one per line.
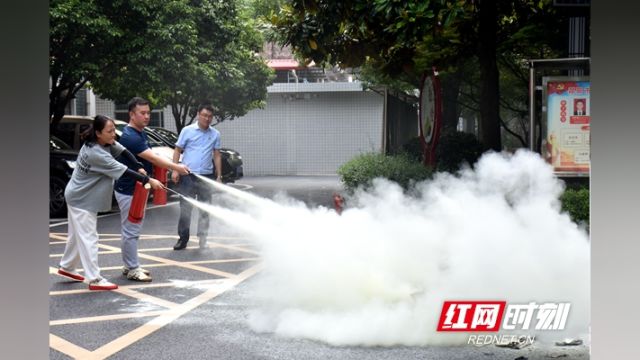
(231, 159)
(162, 142)
(71, 127)
(62, 161)
(168, 136)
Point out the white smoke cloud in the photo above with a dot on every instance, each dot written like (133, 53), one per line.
(379, 273)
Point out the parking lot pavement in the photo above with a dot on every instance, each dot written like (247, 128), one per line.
(90, 324)
(197, 305)
(312, 190)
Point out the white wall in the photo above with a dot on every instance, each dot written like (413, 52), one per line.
(104, 107)
(305, 128)
(306, 133)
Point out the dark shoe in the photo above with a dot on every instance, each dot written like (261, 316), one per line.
(181, 244)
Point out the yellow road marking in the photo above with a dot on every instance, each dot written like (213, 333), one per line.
(68, 348)
(53, 270)
(181, 264)
(224, 261)
(70, 292)
(145, 297)
(99, 253)
(140, 250)
(162, 317)
(219, 261)
(105, 318)
(59, 237)
(136, 286)
(232, 247)
(146, 236)
(168, 317)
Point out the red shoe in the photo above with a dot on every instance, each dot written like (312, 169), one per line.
(70, 274)
(102, 284)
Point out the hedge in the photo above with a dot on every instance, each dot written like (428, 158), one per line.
(362, 169)
(455, 149)
(575, 202)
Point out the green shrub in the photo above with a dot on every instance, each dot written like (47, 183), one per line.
(575, 202)
(413, 149)
(362, 169)
(455, 149)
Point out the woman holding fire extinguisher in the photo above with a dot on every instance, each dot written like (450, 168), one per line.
(89, 191)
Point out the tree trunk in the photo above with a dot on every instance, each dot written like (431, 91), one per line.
(58, 100)
(176, 110)
(489, 85)
(450, 91)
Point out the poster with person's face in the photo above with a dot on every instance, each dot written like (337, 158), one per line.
(567, 143)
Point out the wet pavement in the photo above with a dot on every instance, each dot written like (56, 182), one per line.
(197, 305)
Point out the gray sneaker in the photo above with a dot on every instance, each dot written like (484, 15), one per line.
(125, 270)
(202, 241)
(138, 275)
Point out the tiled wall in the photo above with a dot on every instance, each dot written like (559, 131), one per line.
(105, 107)
(299, 133)
(169, 122)
(306, 133)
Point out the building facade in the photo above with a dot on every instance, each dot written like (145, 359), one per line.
(306, 128)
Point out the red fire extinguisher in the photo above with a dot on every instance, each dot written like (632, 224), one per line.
(139, 202)
(160, 195)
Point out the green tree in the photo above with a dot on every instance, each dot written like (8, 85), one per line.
(261, 10)
(226, 70)
(525, 31)
(399, 40)
(87, 38)
(176, 52)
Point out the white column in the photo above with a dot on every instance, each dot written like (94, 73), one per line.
(91, 103)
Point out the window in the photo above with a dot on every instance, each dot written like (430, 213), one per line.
(157, 118)
(81, 102)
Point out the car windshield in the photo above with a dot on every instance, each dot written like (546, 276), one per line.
(154, 140)
(167, 134)
(57, 144)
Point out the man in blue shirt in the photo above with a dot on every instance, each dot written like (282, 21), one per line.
(199, 144)
(135, 140)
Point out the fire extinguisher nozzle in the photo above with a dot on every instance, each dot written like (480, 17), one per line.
(173, 191)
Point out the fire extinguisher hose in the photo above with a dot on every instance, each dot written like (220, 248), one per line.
(173, 191)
